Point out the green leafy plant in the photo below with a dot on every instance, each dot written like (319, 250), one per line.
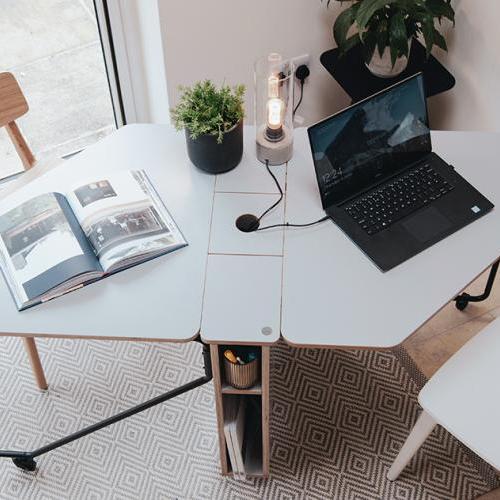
(206, 109)
(391, 23)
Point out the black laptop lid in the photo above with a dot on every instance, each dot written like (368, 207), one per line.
(370, 141)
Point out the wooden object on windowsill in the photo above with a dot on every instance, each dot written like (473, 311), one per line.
(13, 105)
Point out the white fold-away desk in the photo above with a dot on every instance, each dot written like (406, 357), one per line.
(310, 286)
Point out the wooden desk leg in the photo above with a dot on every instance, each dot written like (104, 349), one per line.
(217, 381)
(265, 410)
(36, 364)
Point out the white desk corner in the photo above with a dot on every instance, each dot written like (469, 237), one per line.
(334, 296)
(158, 300)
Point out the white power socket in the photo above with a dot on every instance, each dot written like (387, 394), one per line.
(299, 60)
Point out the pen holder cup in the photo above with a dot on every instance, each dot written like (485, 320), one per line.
(242, 376)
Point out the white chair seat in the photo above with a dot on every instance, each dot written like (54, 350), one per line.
(458, 397)
(464, 397)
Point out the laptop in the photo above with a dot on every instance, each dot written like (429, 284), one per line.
(381, 183)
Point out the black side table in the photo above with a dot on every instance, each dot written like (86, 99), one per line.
(356, 79)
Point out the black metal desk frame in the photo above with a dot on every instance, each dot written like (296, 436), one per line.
(26, 459)
(462, 300)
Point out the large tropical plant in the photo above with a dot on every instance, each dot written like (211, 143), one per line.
(391, 23)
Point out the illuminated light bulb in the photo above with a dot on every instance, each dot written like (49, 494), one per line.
(275, 108)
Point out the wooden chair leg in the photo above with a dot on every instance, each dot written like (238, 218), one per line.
(21, 146)
(36, 364)
(414, 441)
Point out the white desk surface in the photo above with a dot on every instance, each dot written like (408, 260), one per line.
(164, 299)
(161, 299)
(334, 296)
(312, 284)
(243, 284)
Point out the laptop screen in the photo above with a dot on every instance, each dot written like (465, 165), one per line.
(370, 141)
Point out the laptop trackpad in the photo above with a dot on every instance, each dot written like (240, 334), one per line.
(427, 224)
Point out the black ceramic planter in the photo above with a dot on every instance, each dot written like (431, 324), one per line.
(215, 158)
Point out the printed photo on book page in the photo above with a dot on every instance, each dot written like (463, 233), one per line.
(123, 218)
(34, 238)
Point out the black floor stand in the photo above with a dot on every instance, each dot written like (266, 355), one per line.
(462, 301)
(26, 459)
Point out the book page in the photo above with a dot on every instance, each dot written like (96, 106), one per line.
(42, 246)
(123, 218)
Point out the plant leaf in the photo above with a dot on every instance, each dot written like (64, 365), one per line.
(394, 54)
(343, 23)
(382, 36)
(398, 36)
(367, 8)
(351, 42)
(439, 40)
(428, 33)
(369, 45)
(441, 8)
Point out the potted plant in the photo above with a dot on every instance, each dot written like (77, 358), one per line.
(213, 122)
(385, 28)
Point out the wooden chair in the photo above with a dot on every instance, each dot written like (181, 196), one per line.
(461, 396)
(12, 106)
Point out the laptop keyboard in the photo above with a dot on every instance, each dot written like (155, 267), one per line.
(384, 206)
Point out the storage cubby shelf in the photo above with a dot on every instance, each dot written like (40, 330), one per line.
(256, 426)
(228, 389)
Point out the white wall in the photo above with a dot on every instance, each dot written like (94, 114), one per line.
(221, 39)
(474, 60)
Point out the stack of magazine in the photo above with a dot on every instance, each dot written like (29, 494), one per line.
(54, 243)
(234, 431)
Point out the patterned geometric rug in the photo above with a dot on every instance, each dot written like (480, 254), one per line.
(338, 420)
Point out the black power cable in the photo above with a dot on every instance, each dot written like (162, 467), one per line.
(274, 205)
(249, 223)
(301, 73)
(300, 98)
(288, 224)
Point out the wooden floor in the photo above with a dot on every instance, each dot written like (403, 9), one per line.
(449, 330)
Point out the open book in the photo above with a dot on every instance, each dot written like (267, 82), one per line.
(53, 243)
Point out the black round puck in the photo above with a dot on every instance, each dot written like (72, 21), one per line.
(247, 223)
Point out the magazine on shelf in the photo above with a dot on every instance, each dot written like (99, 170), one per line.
(55, 243)
(234, 428)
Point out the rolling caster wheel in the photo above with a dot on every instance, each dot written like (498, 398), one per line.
(25, 463)
(461, 302)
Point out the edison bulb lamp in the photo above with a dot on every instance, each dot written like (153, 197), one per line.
(274, 109)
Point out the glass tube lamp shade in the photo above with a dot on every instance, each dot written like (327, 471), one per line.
(274, 109)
